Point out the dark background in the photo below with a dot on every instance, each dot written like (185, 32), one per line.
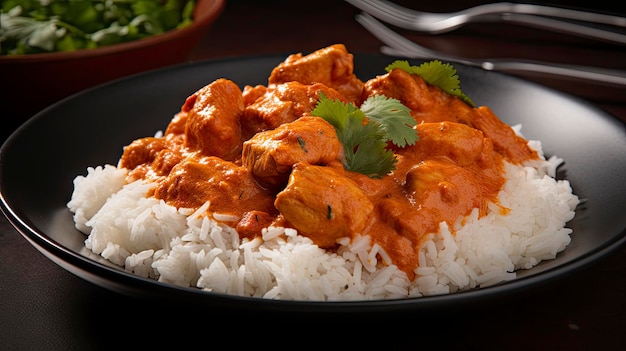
(44, 307)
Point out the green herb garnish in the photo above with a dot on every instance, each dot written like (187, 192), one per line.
(365, 132)
(442, 75)
(36, 26)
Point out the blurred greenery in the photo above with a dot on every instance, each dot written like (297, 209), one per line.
(38, 26)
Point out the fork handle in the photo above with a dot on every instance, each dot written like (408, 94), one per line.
(557, 12)
(564, 27)
(586, 73)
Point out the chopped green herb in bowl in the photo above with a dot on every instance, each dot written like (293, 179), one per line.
(39, 26)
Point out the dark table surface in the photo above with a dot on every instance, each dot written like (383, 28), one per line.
(44, 307)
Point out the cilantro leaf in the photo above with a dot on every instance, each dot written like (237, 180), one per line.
(437, 73)
(364, 139)
(373, 159)
(336, 112)
(393, 116)
(365, 147)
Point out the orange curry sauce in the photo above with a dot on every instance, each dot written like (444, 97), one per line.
(258, 155)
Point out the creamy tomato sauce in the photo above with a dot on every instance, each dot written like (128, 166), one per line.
(259, 157)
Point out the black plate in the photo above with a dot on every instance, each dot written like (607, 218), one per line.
(40, 160)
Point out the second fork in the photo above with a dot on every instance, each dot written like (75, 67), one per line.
(538, 16)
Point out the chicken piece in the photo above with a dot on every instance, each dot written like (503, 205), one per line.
(505, 141)
(441, 186)
(431, 104)
(142, 151)
(333, 66)
(270, 155)
(282, 103)
(458, 142)
(252, 93)
(177, 124)
(213, 119)
(229, 188)
(435, 191)
(149, 158)
(323, 204)
(165, 161)
(400, 85)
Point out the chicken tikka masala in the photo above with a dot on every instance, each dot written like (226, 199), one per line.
(258, 155)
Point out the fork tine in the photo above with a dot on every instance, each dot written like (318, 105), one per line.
(387, 11)
(382, 32)
(400, 45)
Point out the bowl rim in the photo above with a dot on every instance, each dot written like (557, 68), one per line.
(205, 13)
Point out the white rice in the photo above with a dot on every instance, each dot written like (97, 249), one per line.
(186, 248)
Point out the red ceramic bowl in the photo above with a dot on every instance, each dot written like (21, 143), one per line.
(30, 83)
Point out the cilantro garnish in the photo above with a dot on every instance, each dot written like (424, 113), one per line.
(442, 75)
(365, 141)
(394, 118)
(37, 26)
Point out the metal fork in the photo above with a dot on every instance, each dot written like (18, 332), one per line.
(522, 14)
(397, 45)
